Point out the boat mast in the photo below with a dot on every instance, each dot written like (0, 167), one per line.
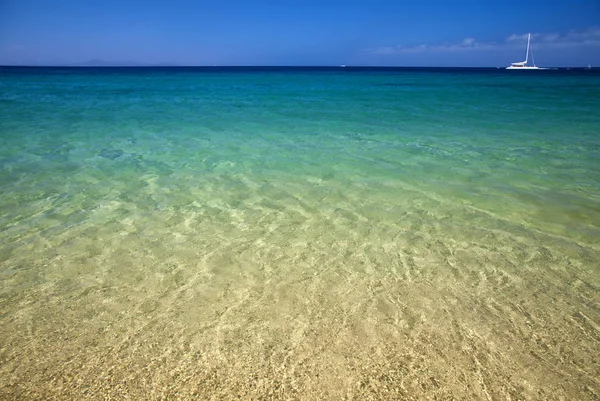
(527, 54)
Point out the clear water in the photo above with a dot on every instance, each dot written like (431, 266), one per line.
(299, 233)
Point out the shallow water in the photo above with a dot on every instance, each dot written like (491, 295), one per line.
(308, 233)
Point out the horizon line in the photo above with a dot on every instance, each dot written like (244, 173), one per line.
(165, 65)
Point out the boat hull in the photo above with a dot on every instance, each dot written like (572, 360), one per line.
(523, 68)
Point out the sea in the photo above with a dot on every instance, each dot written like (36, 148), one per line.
(299, 233)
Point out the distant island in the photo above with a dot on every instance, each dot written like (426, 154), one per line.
(103, 63)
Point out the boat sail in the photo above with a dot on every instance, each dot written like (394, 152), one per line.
(522, 65)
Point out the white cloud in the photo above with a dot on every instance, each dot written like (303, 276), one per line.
(549, 37)
(516, 38)
(465, 44)
(468, 42)
(590, 37)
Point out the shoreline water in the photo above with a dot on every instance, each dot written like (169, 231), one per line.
(405, 235)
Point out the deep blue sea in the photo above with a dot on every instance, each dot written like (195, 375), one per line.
(299, 233)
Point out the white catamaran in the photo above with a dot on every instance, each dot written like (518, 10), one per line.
(522, 65)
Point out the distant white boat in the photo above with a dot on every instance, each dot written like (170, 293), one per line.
(522, 65)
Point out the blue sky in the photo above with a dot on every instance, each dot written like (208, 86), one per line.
(290, 32)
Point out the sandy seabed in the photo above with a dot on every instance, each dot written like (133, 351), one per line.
(276, 300)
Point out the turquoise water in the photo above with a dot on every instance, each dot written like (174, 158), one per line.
(231, 222)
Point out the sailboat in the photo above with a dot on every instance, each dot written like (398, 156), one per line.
(522, 65)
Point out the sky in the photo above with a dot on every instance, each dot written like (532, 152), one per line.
(444, 33)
